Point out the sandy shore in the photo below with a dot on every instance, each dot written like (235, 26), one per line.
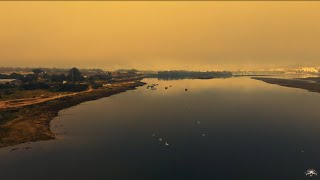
(32, 121)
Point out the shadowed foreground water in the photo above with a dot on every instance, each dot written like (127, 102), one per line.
(236, 128)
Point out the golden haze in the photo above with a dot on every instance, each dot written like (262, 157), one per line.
(160, 35)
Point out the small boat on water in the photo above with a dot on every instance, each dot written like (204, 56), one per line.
(152, 87)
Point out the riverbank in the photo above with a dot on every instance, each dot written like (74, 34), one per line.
(32, 122)
(312, 85)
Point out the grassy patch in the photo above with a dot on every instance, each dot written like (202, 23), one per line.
(21, 94)
(7, 116)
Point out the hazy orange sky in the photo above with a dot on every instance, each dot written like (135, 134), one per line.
(160, 35)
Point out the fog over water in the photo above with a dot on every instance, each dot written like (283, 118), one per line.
(235, 128)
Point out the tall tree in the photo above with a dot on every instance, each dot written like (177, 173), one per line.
(75, 75)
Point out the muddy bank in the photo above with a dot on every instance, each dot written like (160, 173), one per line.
(302, 83)
(32, 123)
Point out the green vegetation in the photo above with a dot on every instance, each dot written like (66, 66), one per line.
(71, 81)
(35, 85)
(6, 116)
(75, 75)
(70, 87)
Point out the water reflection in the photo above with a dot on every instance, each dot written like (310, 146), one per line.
(235, 128)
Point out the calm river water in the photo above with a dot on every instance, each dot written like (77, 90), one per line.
(220, 129)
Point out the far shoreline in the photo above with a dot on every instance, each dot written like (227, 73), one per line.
(311, 85)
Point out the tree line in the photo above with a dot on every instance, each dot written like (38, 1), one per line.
(192, 74)
(73, 80)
